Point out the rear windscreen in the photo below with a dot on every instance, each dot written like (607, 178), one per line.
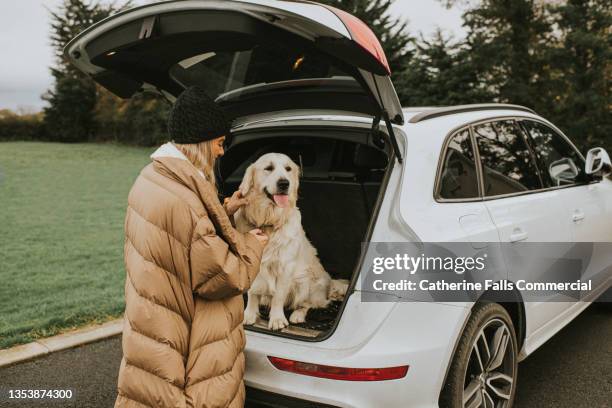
(224, 71)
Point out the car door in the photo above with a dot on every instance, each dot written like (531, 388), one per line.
(459, 196)
(520, 209)
(586, 202)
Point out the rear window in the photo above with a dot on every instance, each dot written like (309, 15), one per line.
(220, 72)
(458, 178)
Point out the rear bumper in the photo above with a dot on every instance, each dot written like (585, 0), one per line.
(264, 399)
(421, 335)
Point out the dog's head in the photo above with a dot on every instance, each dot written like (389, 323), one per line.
(273, 176)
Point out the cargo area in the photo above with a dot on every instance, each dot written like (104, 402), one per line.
(343, 172)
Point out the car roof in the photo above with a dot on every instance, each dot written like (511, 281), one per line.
(420, 114)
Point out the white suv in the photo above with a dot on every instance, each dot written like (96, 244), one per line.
(313, 82)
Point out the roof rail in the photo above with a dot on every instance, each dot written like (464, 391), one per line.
(449, 110)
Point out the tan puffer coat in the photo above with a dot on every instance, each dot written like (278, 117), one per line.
(187, 268)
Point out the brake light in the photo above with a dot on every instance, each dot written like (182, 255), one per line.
(363, 35)
(339, 373)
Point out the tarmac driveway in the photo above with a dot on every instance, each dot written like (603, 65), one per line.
(572, 370)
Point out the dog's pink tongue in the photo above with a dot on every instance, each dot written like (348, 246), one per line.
(282, 200)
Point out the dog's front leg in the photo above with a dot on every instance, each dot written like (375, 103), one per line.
(278, 320)
(252, 310)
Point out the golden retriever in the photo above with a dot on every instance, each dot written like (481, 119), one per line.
(291, 274)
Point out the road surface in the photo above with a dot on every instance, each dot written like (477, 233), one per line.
(573, 370)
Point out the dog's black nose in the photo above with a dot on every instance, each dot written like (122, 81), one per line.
(282, 184)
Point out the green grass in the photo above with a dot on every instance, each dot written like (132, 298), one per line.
(61, 235)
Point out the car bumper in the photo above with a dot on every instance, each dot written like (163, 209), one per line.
(421, 335)
(265, 399)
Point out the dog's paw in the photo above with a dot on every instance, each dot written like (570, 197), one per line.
(277, 323)
(249, 318)
(298, 316)
(337, 289)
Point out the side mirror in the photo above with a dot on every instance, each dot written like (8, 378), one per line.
(598, 162)
(563, 171)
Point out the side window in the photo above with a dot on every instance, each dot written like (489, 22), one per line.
(458, 178)
(507, 163)
(560, 164)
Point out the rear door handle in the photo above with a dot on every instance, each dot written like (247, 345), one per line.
(578, 216)
(518, 235)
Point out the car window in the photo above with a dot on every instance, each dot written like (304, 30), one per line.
(458, 179)
(507, 163)
(559, 162)
(222, 71)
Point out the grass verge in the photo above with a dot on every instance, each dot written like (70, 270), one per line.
(61, 235)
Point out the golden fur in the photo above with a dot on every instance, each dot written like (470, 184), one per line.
(291, 274)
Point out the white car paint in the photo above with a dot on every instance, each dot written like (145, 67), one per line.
(423, 335)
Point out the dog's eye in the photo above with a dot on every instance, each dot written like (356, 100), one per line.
(269, 168)
(288, 168)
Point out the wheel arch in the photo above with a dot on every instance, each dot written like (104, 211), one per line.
(515, 308)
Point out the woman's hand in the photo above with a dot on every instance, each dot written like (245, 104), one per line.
(233, 203)
(259, 234)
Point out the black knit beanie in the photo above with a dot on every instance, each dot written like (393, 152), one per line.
(195, 118)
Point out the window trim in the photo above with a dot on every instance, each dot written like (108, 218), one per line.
(482, 197)
(532, 153)
(477, 163)
(442, 159)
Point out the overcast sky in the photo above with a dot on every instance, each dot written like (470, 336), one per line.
(26, 54)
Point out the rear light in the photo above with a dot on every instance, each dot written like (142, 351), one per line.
(363, 35)
(339, 373)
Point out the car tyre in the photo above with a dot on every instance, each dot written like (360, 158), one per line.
(484, 369)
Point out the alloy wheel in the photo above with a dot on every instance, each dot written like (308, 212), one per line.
(490, 373)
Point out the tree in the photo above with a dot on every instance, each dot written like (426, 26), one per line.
(140, 120)
(508, 43)
(72, 99)
(440, 73)
(392, 32)
(583, 101)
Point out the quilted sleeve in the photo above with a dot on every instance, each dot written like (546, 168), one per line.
(217, 271)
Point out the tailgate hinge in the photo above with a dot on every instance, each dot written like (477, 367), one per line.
(375, 132)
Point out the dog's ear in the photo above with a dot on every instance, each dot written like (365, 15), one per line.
(247, 180)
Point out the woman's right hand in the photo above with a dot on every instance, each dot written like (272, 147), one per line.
(259, 234)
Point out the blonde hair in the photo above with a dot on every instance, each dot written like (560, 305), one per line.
(202, 157)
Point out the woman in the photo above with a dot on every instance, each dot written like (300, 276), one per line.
(187, 269)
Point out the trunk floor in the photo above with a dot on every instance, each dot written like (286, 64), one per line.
(318, 321)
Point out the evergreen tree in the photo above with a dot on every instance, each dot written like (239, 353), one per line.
(72, 99)
(140, 120)
(508, 43)
(440, 73)
(583, 101)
